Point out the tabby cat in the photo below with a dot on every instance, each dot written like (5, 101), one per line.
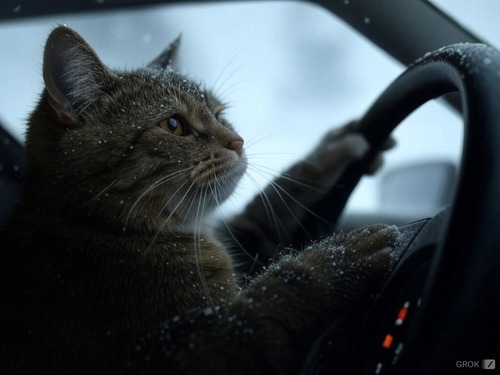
(109, 267)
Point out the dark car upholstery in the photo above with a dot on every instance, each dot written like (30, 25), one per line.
(11, 167)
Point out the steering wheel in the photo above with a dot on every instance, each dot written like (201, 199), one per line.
(440, 308)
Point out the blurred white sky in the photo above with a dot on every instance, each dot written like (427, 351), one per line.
(289, 70)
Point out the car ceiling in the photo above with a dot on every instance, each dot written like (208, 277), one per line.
(376, 20)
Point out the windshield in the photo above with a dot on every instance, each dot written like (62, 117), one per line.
(481, 17)
(290, 72)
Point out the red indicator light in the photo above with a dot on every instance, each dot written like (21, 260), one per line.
(388, 341)
(402, 313)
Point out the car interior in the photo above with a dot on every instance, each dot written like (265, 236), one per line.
(440, 306)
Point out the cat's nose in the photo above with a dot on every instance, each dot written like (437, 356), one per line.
(236, 145)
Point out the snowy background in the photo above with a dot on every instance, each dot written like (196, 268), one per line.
(290, 71)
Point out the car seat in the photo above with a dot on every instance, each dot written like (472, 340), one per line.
(12, 159)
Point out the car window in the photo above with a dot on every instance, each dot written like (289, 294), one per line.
(481, 17)
(290, 71)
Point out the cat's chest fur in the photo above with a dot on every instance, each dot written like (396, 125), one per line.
(125, 287)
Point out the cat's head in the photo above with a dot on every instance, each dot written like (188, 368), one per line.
(140, 149)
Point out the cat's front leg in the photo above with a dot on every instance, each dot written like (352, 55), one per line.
(275, 219)
(329, 284)
(272, 324)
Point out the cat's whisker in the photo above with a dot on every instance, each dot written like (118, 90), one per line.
(153, 186)
(249, 143)
(265, 155)
(303, 184)
(234, 88)
(281, 191)
(103, 191)
(295, 181)
(223, 71)
(173, 196)
(280, 157)
(230, 231)
(264, 169)
(193, 199)
(268, 206)
(197, 244)
(165, 222)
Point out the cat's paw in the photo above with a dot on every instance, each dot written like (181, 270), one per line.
(369, 239)
(365, 253)
(335, 152)
(341, 146)
(369, 254)
(336, 149)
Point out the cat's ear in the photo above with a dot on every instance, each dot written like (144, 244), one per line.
(73, 74)
(167, 57)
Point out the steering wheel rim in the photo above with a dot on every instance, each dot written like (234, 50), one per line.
(458, 319)
(460, 316)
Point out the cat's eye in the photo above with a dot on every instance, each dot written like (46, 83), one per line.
(174, 124)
